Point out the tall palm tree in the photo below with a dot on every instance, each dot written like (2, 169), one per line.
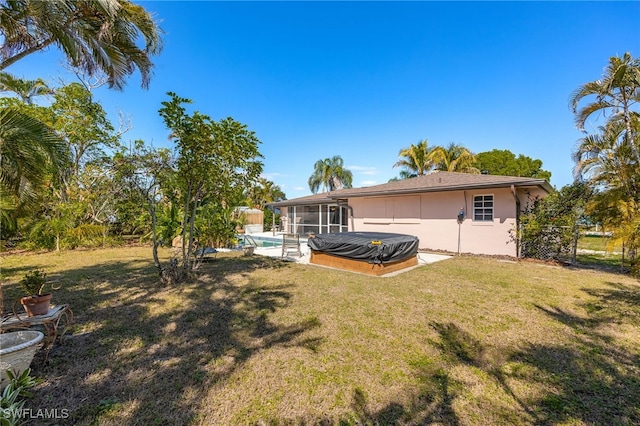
(417, 160)
(95, 35)
(615, 94)
(454, 158)
(25, 89)
(330, 174)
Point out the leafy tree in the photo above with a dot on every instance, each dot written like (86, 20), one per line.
(95, 36)
(454, 158)
(82, 202)
(330, 174)
(549, 224)
(504, 163)
(216, 162)
(84, 125)
(147, 176)
(416, 160)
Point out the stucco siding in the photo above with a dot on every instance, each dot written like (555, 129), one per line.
(432, 217)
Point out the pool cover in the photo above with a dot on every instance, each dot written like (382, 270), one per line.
(373, 247)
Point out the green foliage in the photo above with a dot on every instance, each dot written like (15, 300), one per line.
(34, 281)
(97, 37)
(216, 163)
(87, 235)
(216, 225)
(269, 219)
(22, 381)
(609, 159)
(108, 405)
(453, 158)
(505, 163)
(330, 174)
(10, 404)
(262, 192)
(420, 159)
(415, 160)
(84, 124)
(31, 155)
(548, 225)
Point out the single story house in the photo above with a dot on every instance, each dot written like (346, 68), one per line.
(454, 212)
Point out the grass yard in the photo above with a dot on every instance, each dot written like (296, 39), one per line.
(595, 251)
(597, 243)
(465, 341)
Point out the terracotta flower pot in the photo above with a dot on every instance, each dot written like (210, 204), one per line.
(36, 305)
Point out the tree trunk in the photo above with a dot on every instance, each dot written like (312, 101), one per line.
(33, 49)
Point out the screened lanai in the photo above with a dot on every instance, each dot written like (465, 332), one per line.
(315, 214)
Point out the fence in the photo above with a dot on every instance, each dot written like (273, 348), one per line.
(551, 243)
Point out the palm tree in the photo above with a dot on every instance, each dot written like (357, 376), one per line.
(616, 93)
(417, 160)
(330, 174)
(30, 152)
(95, 35)
(454, 158)
(265, 191)
(25, 89)
(605, 160)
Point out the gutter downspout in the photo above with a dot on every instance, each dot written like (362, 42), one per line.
(515, 197)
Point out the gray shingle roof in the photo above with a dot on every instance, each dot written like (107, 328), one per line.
(309, 199)
(432, 182)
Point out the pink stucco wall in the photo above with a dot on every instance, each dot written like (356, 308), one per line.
(432, 217)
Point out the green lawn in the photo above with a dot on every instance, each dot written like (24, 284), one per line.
(597, 243)
(466, 341)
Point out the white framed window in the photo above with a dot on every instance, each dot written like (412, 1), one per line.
(483, 208)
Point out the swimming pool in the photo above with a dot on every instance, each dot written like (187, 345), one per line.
(259, 241)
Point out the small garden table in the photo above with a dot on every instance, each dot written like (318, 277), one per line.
(51, 322)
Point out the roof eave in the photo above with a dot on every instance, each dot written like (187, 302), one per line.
(534, 183)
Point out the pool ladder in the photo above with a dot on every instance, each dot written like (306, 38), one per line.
(249, 239)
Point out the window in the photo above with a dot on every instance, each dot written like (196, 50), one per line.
(483, 207)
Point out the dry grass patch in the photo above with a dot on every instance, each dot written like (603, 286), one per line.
(258, 341)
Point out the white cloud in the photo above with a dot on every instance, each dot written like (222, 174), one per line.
(363, 170)
(272, 176)
(368, 183)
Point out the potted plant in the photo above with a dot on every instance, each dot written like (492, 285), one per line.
(33, 283)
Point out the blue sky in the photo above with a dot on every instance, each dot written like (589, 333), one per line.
(363, 80)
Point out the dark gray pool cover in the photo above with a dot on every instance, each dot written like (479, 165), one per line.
(373, 247)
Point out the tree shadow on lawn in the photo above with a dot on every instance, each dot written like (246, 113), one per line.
(134, 360)
(591, 380)
(597, 378)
